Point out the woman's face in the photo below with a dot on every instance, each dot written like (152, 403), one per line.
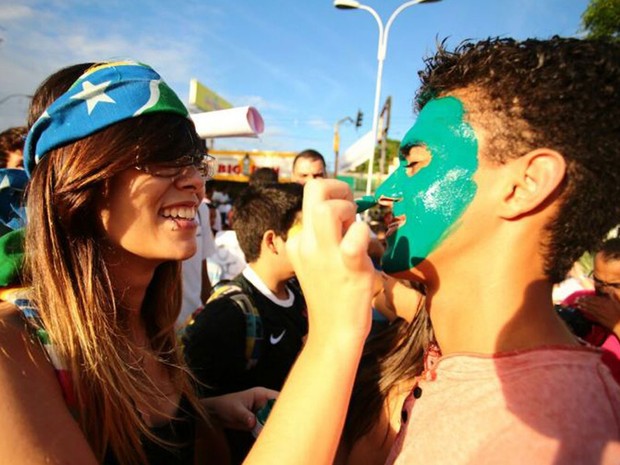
(152, 217)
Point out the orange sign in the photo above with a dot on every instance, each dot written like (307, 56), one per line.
(233, 165)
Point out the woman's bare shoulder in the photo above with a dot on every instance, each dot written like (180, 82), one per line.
(36, 424)
(11, 322)
(19, 350)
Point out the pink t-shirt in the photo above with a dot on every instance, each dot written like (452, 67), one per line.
(544, 406)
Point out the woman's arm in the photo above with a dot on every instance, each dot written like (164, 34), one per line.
(36, 425)
(330, 258)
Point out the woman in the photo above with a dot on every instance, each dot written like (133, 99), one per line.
(94, 375)
(391, 361)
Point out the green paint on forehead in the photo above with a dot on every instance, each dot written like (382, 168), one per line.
(433, 200)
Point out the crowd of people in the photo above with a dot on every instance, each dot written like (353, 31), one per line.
(437, 340)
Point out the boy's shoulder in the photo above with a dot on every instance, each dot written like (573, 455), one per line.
(229, 287)
(228, 304)
(238, 290)
(540, 397)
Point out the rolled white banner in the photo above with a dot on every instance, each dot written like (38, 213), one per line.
(232, 122)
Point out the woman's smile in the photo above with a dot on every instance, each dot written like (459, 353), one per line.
(183, 216)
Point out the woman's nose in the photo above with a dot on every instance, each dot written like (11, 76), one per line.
(189, 178)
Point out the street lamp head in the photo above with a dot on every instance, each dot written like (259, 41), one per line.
(353, 4)
(346, 4)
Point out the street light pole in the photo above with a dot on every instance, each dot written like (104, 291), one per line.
(385, 119)
(381, 52)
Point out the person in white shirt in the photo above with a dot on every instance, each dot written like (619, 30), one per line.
(196, 282)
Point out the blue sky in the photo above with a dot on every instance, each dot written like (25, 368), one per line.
(303, 64)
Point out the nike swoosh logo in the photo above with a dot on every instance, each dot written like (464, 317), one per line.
(276, 339)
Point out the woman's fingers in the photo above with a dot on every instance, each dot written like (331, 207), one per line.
(317, 191)
(354, 248)
(331, 219)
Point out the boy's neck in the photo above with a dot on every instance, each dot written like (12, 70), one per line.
(271, 277)
(490, 310)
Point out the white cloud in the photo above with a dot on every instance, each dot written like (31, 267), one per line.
(44, 42)
(12, 12)
(318, 123)
(260, 103)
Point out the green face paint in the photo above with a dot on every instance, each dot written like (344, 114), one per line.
(430, 203)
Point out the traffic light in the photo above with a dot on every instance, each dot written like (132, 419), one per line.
(358, 119)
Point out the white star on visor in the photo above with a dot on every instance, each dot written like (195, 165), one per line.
(93, 94)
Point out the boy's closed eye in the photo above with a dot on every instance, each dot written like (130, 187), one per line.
(414, 158)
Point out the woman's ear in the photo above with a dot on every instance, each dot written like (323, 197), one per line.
(535, 177)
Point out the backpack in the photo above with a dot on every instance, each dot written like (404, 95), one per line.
(240, 295)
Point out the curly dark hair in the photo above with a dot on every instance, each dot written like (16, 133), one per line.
(562, 94)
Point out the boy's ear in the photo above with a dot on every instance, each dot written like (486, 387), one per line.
(269, 238)
(535, 177)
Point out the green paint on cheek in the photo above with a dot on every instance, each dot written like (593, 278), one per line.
(433, 200)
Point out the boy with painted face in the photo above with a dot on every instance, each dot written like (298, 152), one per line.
(490, 211)
(505, 180)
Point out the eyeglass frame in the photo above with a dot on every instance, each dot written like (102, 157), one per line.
(600, 283)
(202, 162)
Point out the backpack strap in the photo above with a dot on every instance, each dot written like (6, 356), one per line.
(238, 292)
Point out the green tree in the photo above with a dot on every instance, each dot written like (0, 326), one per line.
(602, 19)
(390, 153)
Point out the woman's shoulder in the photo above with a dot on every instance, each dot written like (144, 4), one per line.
(11, 321)
(24, 364)
(14, 324)
(35, 422)
(21, 351)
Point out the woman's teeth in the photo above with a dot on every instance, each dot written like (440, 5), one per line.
(186, 213)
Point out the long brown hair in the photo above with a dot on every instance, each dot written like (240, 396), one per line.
(74, 292)
(391, 356)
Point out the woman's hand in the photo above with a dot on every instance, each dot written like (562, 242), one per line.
(329, 255)
(236, 410)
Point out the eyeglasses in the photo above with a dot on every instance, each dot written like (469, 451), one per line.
(601, 283)
(203, 163)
